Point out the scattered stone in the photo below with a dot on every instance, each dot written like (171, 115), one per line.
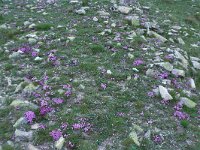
(124, 9)
(194, 58)
(103, 13)
(31, 147)
(178, 72)
(81, 11)
(19, 122)
(74, 1)
(109, 72)
(20, 87)
(22, 134)
(32, 41)
(30, 88)
(3, 26)
(59, 144)
(31, 26)
(187, 102)
(38, 58)
(27, 23)
(35, 126)
(134, 137)
(95, 19)
(20, 103)
(192, 83)
(151, 73)
(133, 20)
(166, 65)
(158, 36)
(182, 58)
(164, 93)
(196, 64)
(180, 41)
(147, 135)
(71, 38)
(15, 55)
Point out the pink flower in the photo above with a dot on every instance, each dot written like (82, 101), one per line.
(181, 115)
(150, 94)
(76, 126)
(29, 115)
(157, 139)
(34, 54)
(56, 134)
(103, 86)
(45, 109)
(58, 100)
(138, 62)
(64, 126)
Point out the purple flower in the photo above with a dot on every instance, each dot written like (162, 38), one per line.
(25, 49)
(165, 101)
(51, 57)
(29, 115)
(151, 94)
(103, 86)
(138, 62)
(157, 139)
(42, 126)
(163, 75)
(64, 126)
(181, 115)
(169, 57)
(58, 100)
(76, 126)
(68, 92)
(34, 54)
(56, 134)
(45, 109)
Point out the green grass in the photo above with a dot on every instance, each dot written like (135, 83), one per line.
(43, 27)
(184, 123)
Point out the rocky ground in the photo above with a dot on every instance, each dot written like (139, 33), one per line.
(99, 74)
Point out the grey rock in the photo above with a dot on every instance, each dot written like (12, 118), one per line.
(158, 36)
(32, 41)
(192, 83)
(164, 93)
(196, 64)
(20, 103)
(178, 72)
(19, 122)
(124, 9)
(187, 102)
(184, 61)
(133, 20)
(31, 147)
(15, 55)
(166, 65)
(59, 144)
(22, 134)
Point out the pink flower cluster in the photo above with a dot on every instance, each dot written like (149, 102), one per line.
(56, 134)
(29, 116)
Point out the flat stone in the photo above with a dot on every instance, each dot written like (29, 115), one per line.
(59, 144)
(151, 73)
(81, 11)
(180, 41)
(35, 126)
(19, 122)
(22, 134)
(187, 102)
(38, 58)
(178, 72)
(158, 36)
(124, 9)
(103, 13)
(15, 55)
(133, 20)
(31, 147)
(20, 103)
(32, 41)
(164, 93)
(196, 64)
(166, 65)
(184, 61)
(192, 83)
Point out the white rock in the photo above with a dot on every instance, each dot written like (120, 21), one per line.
(23, 134)
(38, 58)
(59, 144)
(192, 83)
(74, 1)
(35, 126)
(20, 103)
(15, 55)
(95, 19)
(194, 59)
(180, 40)
(151, 73)
(134, 20)
(161, 38)
(109, 72)
(71, 38)
(178, 72)
(81, 11)
(26, 23)
(166, 65)
(31, 147)
(124, 9)
(187, 102)
(20, 121)
(196, 64)
(32, 26)
(103, 13)
(164, 93)
(182, 58)
(32, 41)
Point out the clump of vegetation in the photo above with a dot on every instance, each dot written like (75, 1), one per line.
(184, 123)
(97, 49)
(85, 2)
(1, 18)
(43, 27)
